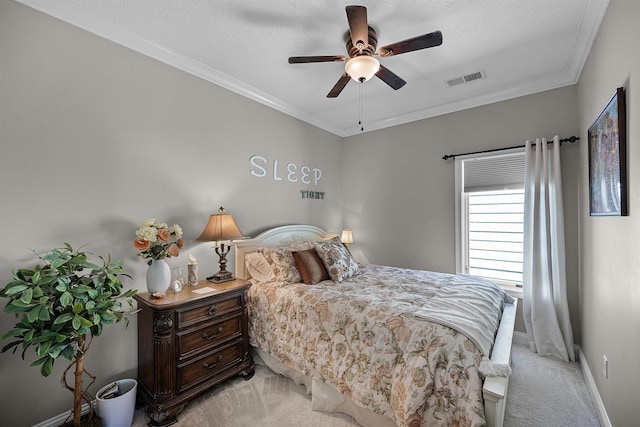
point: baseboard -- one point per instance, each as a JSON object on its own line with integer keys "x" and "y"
{"x": 520, "y": 338}
{"x": 593, "y": 390}
{"x": 59, "y": 420}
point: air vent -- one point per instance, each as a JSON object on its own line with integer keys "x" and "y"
{"x": 466, "y": 78}
{"x": 473, "y": 76}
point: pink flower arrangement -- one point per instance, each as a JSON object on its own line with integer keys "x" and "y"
{"x": 155, "y": 240}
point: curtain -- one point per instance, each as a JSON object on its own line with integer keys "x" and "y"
{"x": 545, "y": 307}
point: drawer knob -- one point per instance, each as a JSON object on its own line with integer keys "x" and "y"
{"x": 206, "y": 336}
{"x": 212, "y": 365}
{"x": 212, "y": 310}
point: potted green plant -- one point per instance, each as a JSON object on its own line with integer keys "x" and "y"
{"x": 62, "y": 304}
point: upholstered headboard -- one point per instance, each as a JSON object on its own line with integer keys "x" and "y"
{"x": 276, "y": 237}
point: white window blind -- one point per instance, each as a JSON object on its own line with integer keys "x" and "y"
{"x": 494, "y": 172}
{"x": 491, "y": 215}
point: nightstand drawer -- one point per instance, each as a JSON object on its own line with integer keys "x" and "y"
{"x": 208, "y": 311}
{"x": 209, "y": 336}
{"x": 209, "y": 365}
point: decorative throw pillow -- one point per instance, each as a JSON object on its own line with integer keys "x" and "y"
{"x": 337, "y": 260}
{"x": 310, "y": 266}
{"x": 259, "y": 267}
{"x": 282, "y": 263}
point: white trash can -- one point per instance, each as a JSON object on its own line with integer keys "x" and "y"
{"x": 118, "y": 411}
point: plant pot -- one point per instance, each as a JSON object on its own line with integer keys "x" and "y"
{"x": 118, "y": 411}
{"x": 158, "y": 276}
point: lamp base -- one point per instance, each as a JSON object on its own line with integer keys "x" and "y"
{"x": 221, "y": 276}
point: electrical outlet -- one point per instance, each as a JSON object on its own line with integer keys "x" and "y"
{"x": 605, "y": 367}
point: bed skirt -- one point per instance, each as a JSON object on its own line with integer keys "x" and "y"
{"x": 324, "y": 397}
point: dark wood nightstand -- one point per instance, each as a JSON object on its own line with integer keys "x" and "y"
{"x": 190, "y": 341}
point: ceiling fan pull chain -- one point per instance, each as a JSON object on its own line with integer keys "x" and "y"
{"x": 360, "y": 112}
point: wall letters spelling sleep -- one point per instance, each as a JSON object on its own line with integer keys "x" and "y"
{"x": 291, "y": 172}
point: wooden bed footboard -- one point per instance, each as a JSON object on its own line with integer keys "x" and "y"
{"x": 494, "y": 390}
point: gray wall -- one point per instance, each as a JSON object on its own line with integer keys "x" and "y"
{"x": 609, "y": 247}
{"x": 399, "y": 193}
{"x": 94, "y": 138}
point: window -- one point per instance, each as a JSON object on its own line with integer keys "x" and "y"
{"x": 490, "y": 216}
{"x": 494, "y": 238}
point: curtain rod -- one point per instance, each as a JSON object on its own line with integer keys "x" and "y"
{"x": 571, "y": 139}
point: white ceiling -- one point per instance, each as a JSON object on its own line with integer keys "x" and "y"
{"x": 523, "y": 46}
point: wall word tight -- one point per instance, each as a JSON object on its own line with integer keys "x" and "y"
{"x": 292, "y": 172}
{"x": 306, "y": 194}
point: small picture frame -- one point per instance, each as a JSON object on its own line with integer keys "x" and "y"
{"x": 608, "y": 159}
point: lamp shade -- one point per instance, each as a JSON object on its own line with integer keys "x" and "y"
{"x": 362, "y": 68}
{"x": 347, "y": 236}
{"x": 221, "y": 226}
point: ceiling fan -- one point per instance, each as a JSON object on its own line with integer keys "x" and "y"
{"x": 361, "y": 42}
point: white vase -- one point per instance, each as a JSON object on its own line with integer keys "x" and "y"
{"x": 158, "y": 276}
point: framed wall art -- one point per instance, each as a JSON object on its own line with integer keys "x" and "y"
{"x": 608, "y": 160}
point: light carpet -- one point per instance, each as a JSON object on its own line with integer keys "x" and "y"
{"x": 542, "y": 392}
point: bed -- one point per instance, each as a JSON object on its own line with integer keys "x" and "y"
{"x": 373, "y": 341}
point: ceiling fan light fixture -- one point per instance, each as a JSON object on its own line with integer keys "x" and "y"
{"x": 362, "y": 68}
{"x": 361, "y": 42}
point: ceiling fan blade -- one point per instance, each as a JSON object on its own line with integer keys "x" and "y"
{"x": 307, "y": 59}
{"x": 358, "y": 27}
{"x": 416, "y": 43}
{"x": 342, "y": 82}
{"x": 390, "y": 78}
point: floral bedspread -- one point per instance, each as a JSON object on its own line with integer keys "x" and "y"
{"x": 363, "y": 337}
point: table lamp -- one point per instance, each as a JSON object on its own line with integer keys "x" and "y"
{"x": 221, "y": 228}
{"x": 346, "y": 237}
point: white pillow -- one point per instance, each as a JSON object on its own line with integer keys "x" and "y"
{"x": 259, "y": 267}
{"x": 301, "y": 245}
